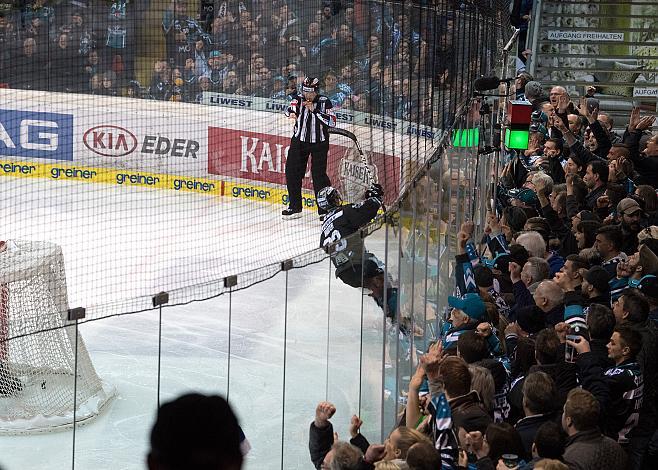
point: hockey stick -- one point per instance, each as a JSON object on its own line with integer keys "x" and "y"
{"x": 364, "y": 161}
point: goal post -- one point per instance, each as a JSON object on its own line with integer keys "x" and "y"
{"x": 38, "y": 345}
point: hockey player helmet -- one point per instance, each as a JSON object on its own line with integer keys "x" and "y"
{"x": 328, "y": 198}
{"x": 311, "y": 84}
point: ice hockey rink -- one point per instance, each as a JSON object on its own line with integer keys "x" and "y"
{"x": 121, "y": 242}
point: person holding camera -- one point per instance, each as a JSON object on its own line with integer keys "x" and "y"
{"x": 619, "y": 388}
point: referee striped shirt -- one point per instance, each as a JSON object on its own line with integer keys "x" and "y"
{"x": 312, "y": 127}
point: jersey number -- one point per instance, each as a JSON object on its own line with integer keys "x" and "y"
{"x": 335, "y": 237}
{"x": 339, "y": 258}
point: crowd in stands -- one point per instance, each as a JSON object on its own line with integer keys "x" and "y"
{"x": 547, "y": 356}
{"x": 374, "y": 59}
{"x": 368, "y": 62}
{"x": 67, "y": 48}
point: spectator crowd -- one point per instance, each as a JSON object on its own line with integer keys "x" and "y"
{"x": 546, "y": 354}
{"x": 369, "y": 56}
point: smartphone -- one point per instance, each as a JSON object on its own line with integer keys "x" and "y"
{"x": 570, "y": 353}
{"x": 592, "y": 104}
{"x": 575, "y": 334}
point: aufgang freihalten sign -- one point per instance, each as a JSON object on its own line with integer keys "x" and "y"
{"x": 585, "y": 36}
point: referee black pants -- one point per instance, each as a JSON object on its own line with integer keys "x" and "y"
{"x": 296, "y": 167}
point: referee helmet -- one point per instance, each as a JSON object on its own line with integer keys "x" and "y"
{"x": 311, "y": 84}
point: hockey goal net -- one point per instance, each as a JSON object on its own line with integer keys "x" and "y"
{"x": 38, "y": 345}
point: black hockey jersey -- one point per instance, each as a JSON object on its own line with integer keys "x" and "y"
{"x": 626, "y": 393}
{"x": 619, "y": 390}
{"x": 343, "y": 221}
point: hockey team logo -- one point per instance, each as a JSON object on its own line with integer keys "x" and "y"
{"x": 110, "y": 141}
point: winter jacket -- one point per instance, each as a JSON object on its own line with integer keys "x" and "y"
{"x": 619, "y": 391}
{"x": 468, "y": 405}
{"x": 593, "y": 195}
{"x": 564, "y": 374}
{"x": 591, "y": 450}
{"x": 320, "y": 441}
{"x": 527, "y": 428}
{"x": 647, "y": 167}
{"x": 555, "y": 263}
{"x": 583, "y": 156}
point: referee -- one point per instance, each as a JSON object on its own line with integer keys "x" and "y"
{"x": 313, "y": 117}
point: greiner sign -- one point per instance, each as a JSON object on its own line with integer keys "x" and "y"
{"x": 113, "y": 141}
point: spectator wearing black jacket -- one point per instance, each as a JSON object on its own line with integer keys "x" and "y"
{"x": 570, "y": 277}
{"x": 595, "y": 286}
{"x": 321, "y": 441}
{"x": 629, "y": 214}
{"x": 562, "y": 106}
{"x": 600, "y": 325}
{"x": 30, "y": 68}
{"x": 586, "y": 448}
{"x": 618, "y": 389}
{"x": 608, "y": 243}
{"x": 554, "y": 154}
{"x": 596, "y": 179}
{"x": 549, "y": 300}
{"x": 548, "y": 444}
{"x": 646, "y": 163}
{"x": 64, "y": 67}
{"x": 578, "y": 151}
{"x": 539, "y": 400}
{"x": 549, "y": 355}
{"x": 635, "y": 314}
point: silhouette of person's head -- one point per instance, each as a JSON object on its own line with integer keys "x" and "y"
{"x": 195, "y": 432}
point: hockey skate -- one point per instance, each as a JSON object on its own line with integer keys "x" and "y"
{"x": 289, "y": 214}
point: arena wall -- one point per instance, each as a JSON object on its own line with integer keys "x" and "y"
{"x": 181, "y": 146}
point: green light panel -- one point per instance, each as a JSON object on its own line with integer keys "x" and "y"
{"x": 517, "y": 139}
{"x": 466, "y": 137}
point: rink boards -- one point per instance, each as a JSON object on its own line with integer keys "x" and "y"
{"x": 212, "y": 187}
{"x": 221, "y": 150}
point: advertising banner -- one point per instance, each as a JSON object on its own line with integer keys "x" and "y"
{"x": 36, "y": 135}
{"x": 186, "y": 141}
{"x": 262, "y": 157}
{"x": 344, "y": 117}
{"x": 154, "y": 144}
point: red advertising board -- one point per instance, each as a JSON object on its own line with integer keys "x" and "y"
{"x": 262, "y": 157}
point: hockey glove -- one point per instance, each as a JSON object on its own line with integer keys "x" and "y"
{"x": 375, "y": 190}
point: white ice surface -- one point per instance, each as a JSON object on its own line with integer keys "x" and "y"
{"x": 120, "y": 242}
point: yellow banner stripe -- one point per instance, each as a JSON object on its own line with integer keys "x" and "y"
{"x": 67, "y": 172}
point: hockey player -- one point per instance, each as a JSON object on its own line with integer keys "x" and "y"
{"x": 313, "y": 117}
{"x": 354, "y": 265}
